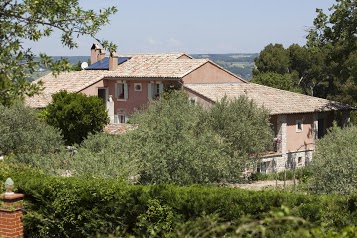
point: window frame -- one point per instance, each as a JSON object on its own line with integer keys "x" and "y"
{"x": 298, "y": 128}
{"x": 138, "y": 84}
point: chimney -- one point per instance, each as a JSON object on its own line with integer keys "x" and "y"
{"x": 96, "y": 53}
{"x": 93, "y": 53}
{"x": 101, "y": 54}
{"x": 113, "y": 61}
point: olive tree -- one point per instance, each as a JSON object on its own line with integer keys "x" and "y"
{"x": 21, "y": 132}
{"x": 334, "y": 167}
{"x": 183, "y": 143}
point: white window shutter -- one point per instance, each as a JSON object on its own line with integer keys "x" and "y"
{"x": 149, "y": 91}
{"x": 116, "y": 119}
{"x": 116, "y": 91}
{"x": 126, "y": 91}
{"x": 161, "y": 88}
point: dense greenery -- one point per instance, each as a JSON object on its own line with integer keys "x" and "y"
{"x": 333, "y": 169}
{"x": 21, "y": 132}
{"x": 175, "y": 142}
{"x": 326, "y": 66}
{"x": 76, "y": 115}
{"x": 74, "y": 207}
{"x": 32, "y": 20}
{"x": 276, "y": 80}
{"x": 183, "y": 143}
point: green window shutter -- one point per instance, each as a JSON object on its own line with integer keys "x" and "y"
{"x": 149, "y": 91}
{"x": 126, "y": 91}
{"x": 116, "y": 91}
{"x": 161, "y": 88}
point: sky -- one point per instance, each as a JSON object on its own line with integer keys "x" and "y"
{"x": 195, "y": 26}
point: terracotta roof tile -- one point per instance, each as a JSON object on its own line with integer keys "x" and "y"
{"x": 277, "y": 101}
{"x": 139, "y": 66}
{"x": 117, "y": 129}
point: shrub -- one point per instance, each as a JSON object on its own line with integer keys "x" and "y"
{"x": 76, "y": 115}
{"x": 22, "y": 132}
{"x": 75, "y": 207}
{"x": 334, "y": 166}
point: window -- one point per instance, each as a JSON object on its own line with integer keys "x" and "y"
{"x": 193, "y": 100}
{"x": 155, "y": 89}
{"x": 299, "y": 126}
{"x": 121, "y": 90}
{"x": 102, "y": 93}
{"x": 299, "y": 161}
{"x": 121, "y": 116}
{"x": 137, "y": 87}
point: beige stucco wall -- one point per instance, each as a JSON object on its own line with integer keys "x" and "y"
{"x": 92, "y": 90}
{"x": 198, "y": 98}
{"x": 303, "y": 140}
{"x": 210, "y": 73}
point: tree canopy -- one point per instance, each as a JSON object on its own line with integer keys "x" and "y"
{"x": 76, "y": 115}
{"x": 32, "y": 20}
{"x": 327, "y": 65}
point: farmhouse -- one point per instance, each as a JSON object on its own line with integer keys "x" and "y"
{"x": 128, "y": 82}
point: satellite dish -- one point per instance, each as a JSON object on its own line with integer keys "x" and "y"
{"x": 84, "y": 65}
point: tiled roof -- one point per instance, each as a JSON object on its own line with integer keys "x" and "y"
{"x": 139, "y": 66}
{"x": 70, "y": 81}
{"x": 155, "y": 66}
{"x": 117, "y": 129}
{"x": 277, "y": 101}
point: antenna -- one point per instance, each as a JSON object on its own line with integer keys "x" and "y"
{"x": 84, "y": 65}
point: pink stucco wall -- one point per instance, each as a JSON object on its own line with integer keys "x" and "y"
{"x": 299, "y": 140}
{"x": 136, "y": 99}
{"x": 210, "y": 73}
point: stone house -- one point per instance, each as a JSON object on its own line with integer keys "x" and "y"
{"x": 126, "y": 83}
{"x": 297, "y": 120}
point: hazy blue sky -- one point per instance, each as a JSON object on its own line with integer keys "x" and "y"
{"x": 197, "y": 26}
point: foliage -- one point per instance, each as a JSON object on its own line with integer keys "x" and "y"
{"x": 183, "y": 143}
{"x": 32, "y": 20}
{"x": 334, "y": 164}
{"x": 170, "y": 148}
{"x": 76, "y": 115}
{"x": 106, "y": 156}
{"x": 337, "y": 35}
{"x": 241, "y": 123}
{"x": 22, "y": 132}
{"x": 274, "y": 58}
{"x": 327, "y": 65}
{"x": 275, "y": 80}
{"x": 84, "y": 207}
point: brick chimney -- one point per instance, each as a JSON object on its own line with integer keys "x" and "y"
{"x": 96, "y": 53}
{"x": 113, "y": 61}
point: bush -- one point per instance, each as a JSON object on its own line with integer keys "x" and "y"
{"x": 76, "y": 115}
{"x": 22, "y": 132}
{"x": 74, "y": 207}
{"x": 106, "y": 156}
{"x": 334, "y": 166}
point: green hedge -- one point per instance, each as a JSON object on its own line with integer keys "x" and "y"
{"x": 75, "y": 207}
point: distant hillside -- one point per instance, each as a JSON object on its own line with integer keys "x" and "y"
{"x": 239, "y": 64}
